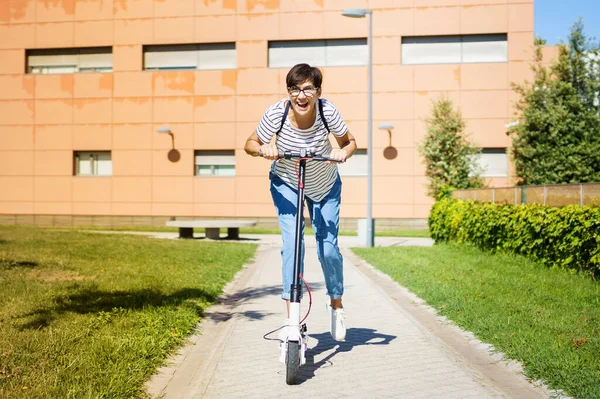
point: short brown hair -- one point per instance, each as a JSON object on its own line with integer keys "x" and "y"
{"x": 300, "y": 73}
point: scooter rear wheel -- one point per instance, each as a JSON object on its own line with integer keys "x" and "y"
{"x": 292, "y": 362}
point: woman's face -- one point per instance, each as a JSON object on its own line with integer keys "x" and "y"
{"x": 303, "y": 97}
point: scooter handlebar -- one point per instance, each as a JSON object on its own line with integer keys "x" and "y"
{"x": 306, "y": 155}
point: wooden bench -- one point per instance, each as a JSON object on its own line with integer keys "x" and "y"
{"x": 212, "y": 227}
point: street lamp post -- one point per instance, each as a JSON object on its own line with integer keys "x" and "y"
{"x": 361, "y": 13}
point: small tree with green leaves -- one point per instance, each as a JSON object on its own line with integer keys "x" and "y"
{"x": 450, "y": 158}
{"x": 556, "y": 138}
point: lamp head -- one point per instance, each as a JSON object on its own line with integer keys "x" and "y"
{"x": 355, "y": 12}
{"x": 386, "y": 126}
{"x": 164, "y": 129}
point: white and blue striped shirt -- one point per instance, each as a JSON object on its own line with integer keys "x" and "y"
{"x": 320, "y": 177}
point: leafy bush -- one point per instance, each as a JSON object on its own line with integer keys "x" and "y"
{"x": 567, "y": 238}
{"x": 450, "y": 157}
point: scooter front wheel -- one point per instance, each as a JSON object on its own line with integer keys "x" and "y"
{"x": 292, "y": 362}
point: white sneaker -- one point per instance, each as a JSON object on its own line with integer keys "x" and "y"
{"x": 337, "y": 326}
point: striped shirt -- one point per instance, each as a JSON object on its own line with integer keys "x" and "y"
{"x": 320, "y": 177}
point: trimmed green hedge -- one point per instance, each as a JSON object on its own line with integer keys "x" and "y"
{"x": 567, "y": 238}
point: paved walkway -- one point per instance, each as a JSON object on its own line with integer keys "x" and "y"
{"x": 394, "y": 346}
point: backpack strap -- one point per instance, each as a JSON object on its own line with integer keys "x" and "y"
{"x": 285, "y": 114}
{"x": 287, "y": 110}
{"x": 323, "y": 115}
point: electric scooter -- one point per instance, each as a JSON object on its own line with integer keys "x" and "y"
{"x": 293, "y": 350}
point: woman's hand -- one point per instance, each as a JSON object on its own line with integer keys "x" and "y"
{"x": 339, "y": 155}
{"x": 269, "y": 151}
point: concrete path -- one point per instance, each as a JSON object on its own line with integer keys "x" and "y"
{"x": 395, "y": 347}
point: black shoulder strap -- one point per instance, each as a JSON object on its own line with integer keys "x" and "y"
{"x": 285, "y": 114}
{"x": 287, "y": 110}
{"x": 323, "y": 115}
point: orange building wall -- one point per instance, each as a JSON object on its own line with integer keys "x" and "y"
{"x": 44, "y": 118}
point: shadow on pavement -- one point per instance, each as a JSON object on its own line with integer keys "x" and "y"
{"x": 248, "y": 294}
{"x": 240, "y": 297}
{"x": 354, "y": 337}
{"x": 224, "y": 316}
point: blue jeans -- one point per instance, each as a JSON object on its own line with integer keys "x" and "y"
{"x": 325, "y": 217}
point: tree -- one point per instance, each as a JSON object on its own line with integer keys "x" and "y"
{"x": 556, "y": 138}
{"x": 450, "y": 159}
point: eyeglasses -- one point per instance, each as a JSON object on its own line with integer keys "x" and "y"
{"x": 308, "y": 91}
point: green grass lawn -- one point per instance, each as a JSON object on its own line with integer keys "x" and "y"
{"x": 403, "y": 233}
{"x": 166, "y": 229}
{"x": 547, "y": 319}
{"x": 86, "y": 315}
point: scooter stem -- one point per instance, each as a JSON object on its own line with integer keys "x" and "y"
{"x": 296, "y": 288}
{"x": 294, "y": 320}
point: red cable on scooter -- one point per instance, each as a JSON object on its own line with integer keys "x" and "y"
{"x": 305, "y": 316}
{"x": 309, "y": 298}
{"x": 300, "y": 184}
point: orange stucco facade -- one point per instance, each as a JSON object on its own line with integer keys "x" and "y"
{"x": 44, "y": 118}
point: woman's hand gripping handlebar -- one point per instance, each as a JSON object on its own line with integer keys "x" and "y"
{"x": 304, "y": 154}
{"x": 268, "y": 151}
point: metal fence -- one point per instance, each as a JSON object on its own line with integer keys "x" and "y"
{"x": 550, "y": 195}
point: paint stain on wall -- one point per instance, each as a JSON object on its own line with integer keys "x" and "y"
{"x": 29, "y": 85}
{"x": 422, "y": 93}
{"x": 457, "y": 75}
{"x": 11, "y": 11}
{"x": 266, "y": 4}
{"x": 141, "y": 100}
{"x": 105, "y": 82}
{"x": 67, "y": 5}
{"x": 214, "y": 99}
{"x": 30, "y": 105}
{"x": 102, "y": 4}
{"x": 174, "y": 81}
{"x": 80, "y": 103}
{"x": 200, "y": 101}
{"x": 229, "y": 79}
{"x": 4, "y": 11}
{"x": 230, "y": 4}
{"x": 119, "y": 5}
{"x": 66, "y": 83}
{"x": 66, "y": 102}
{"x": 177, "y": 100}
{"x": 134, "y": 100}
{"x": 99, "y": 4}
{"x": 319, "y": 2}
{"x": 225, "y": 4}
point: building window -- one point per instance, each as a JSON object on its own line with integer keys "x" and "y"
{"x": 92, "y": 163}
{"x": 454, "y": 49}
{"x": 214, "y": 163}
{"x": 493, "y": 162}
{"x": 357, "y": 165}
{"x": 190, "y": 56}
{"x": 339, "y": 52}
{"x": 52, "y": 61}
